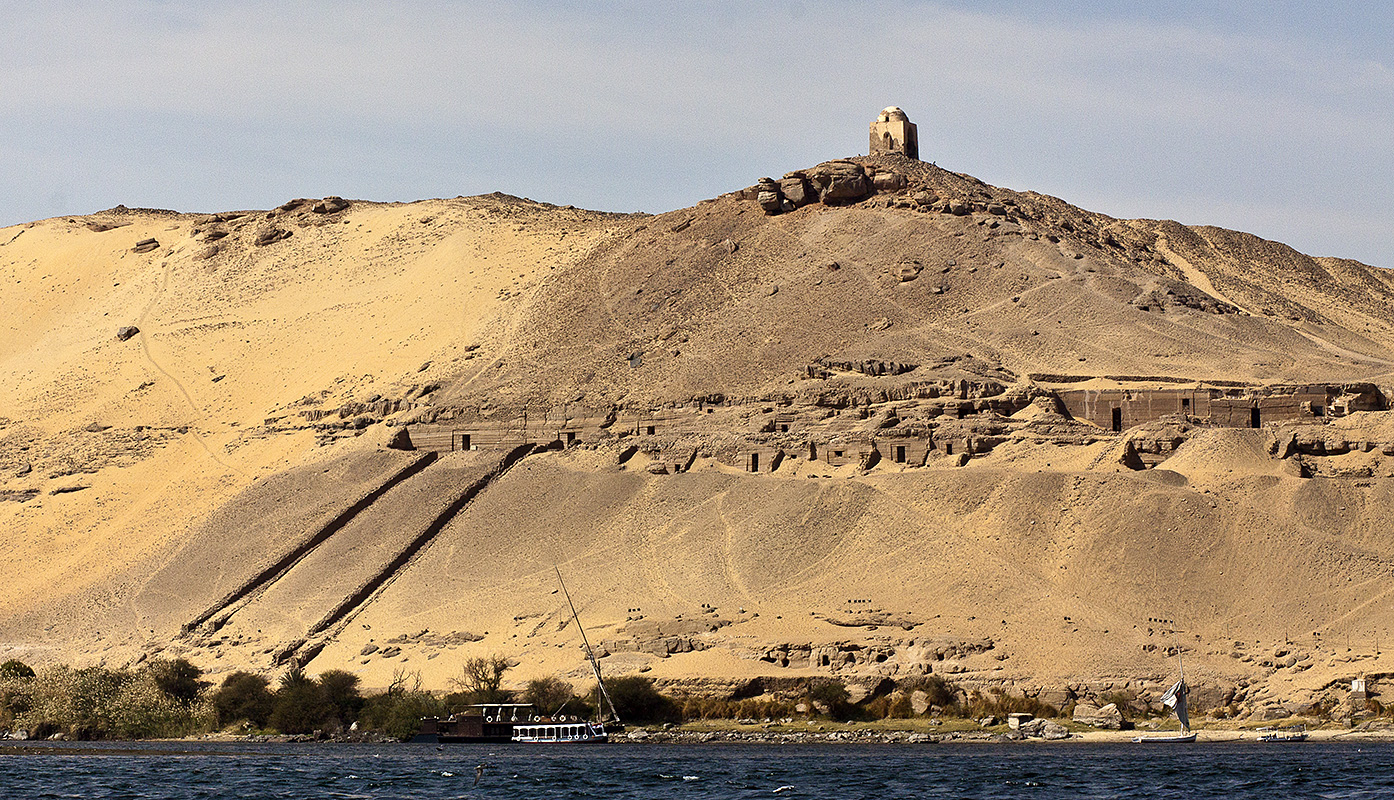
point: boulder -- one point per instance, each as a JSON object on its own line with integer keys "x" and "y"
{"x": 401, "y": 440}
{"x": 888, "y": 181}
{"x": 271, "y": 235}
{"x": 796, "y": 190}
{"x": 1016, "y": 719}
{"x": 1107, "y": 717}
{"x": 330, "y": 205}
{"x": 925, "y": 198}
{"x": 1052, "y": 731}
{"x": 919, "y": 702}
{"x": 959, "y": 208}
{"x": 126, "y": 331}
{"x": 658, "y": 468}
{"x": 839, "y": 182}
{"x": 145, "y": 246}
{"x": 768, "y": 196}
{"x": 1033, "y": 727}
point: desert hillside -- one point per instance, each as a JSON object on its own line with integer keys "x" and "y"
{"x": 871, "y": 419}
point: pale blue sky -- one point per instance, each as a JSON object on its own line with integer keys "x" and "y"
{"x": 1274, "y": 117}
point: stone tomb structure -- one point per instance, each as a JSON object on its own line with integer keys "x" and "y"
{"x": 936, "y": 424}
{"x": 893, "y": 132}
{"x": 1230, "y": 407}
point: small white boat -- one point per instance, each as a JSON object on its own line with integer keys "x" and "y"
{"x": 562, "y": 729}
{"x": 1291, "y": 733}
{"x": 565, "y": 730}
{"x": 1178, "y": 738}
{"x": 1175, "y": 699}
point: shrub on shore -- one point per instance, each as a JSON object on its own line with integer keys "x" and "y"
{"x": 14, "y": 668}
{"x": 300, "y": 705}
{"x": 245, "y": 698}
{"x": 397, "y": 712}
{"x": 636, "y": 700}
{"x": 102, "y": 703}
{"x": 481, "y": 679}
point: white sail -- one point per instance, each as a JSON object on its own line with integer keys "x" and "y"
{"x": 1175, "y": 698}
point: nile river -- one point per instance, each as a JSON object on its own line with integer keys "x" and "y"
{"x": 677, "y": 772}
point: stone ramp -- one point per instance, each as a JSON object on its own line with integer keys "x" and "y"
{"x": 328, "y": 584}
{"x": 262, "y": 531}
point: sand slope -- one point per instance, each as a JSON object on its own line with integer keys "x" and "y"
{"x": 221, "y": 484}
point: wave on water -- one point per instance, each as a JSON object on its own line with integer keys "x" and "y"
{"x": 1339, "y": 771}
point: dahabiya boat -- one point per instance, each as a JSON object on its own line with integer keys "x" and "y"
{"x": 519, "y": 722}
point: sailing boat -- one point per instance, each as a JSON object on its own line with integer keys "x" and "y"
{"x": 569, "y": 728}
{"x": 1175, "y": 699}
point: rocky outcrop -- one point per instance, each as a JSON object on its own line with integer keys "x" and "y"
{"x": 769, "y": 196}
{"x": 270, "y": 236}
{"x": 839, "y": 182}
{"x": 1043, "y": 729}
{"x": 330, "y": 205}
{"x": 146, "y": 246}
{"x": 1108, "y": 717}
{"x": 796, "y": 190}
{"x": 830, "y": 183}
{"x": 885, "y": 181}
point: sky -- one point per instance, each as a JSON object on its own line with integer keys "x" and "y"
{"x": 1275, "y": 118}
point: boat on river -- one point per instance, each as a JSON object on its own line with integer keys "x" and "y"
{"x": 1175, "y": 699}
{"x": 1289, "y": 733}
{"x": 484, "y": 723}
{"x": 492, "y": 723}
{"x": 572, "y": 729}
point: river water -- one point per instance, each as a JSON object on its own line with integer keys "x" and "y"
{"x": 679, "y": 772}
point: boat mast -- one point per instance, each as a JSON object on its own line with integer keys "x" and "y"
{"x": 1182, "y": 715}
{"x": 590, "y": 654}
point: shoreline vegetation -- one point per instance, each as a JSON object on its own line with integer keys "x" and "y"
{"x": 170, "y": 700}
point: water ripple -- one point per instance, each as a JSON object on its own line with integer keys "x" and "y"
{"x": 181, "y": 771}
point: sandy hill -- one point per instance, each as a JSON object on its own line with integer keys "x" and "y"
{"x": 860, "y": 429}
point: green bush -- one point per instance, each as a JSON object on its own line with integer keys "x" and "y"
{"x": 398, "y": 711}
{"x": 100, "y": 703}
{"x": 940, "y": 692}
{"x": 14, "y": 668}
{"x": 244, "y": 697}
{"x": 636, "y": 700}
{"x": 300, "y": 705}
{"x": 997, "y": 703}
{"x": 177, "y": 678}
{"x": 749, "y": 708}
{"x": 15, "y": 700}
{"x": 341, "y": 695}
{"x": 834, "y": 696}
{"x": 548, "y": 695}
{"x": 1127, "y": 704}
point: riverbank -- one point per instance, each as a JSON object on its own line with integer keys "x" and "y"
{"x": 917, "y": 732}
